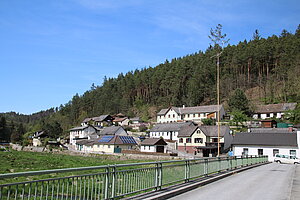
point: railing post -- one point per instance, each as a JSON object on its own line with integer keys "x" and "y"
{"x": 219, "y": 164}
{"x": 206, "y": 167}
{"x": 187, "y": 170}
{"x": 107, "y": 182}
{"x": 158, "y": 174}
{"x": 228, "y": 164}
{"x": 114, "y": 180}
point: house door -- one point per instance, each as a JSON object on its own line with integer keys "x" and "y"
{"x": 160, "y": 149}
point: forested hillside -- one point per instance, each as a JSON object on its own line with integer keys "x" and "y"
{"x": 267, "y": 69}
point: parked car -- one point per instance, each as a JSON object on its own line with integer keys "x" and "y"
{"x": 289, "y": 159}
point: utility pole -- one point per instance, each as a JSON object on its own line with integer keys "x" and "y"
{"x": 219, "y": 41}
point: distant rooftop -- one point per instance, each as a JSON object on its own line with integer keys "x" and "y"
{"x": 192, "y": 110}
{"x": 169, "y": 127}
{"x": 275, "y": 108}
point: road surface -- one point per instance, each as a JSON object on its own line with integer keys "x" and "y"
{"x": 268, "y": 182}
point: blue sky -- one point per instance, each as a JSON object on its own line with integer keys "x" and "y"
{"x": 51, "y": 50}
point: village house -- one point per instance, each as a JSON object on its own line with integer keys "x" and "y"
{"x": 272, "y": 110}
{"x": 266, "y": 143}
{"x": 108, "y": 144}
{"x": 135, "y": 120}
{"x": 101, "y": 121}
{"x": 81, "y": 132}
{"x": 195, "y": 114}
{"x": 203, "y": 140}
{"x": 37, "y": 138}
{"x": 120, "y": 120}
{"x": 168, "y": 131}
{"x": 157, "y": 145}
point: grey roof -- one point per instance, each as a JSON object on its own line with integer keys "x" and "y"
{"x": 212, "y": 131}
{"x": 153, "y": 141}
{"x": 162, "y": 112}
{"x": 100, "y": 118}
{"x": 135, "y": 119}
{"x": 169, "y": 127}
{"x": 96, "y": 119}
{"x": 187, "y": 131}
{"x": 199, "y": 109}
{"x": 86, "y": 120}
{"x": 192, "y": 110}
{"x": 111, "y": 130}
{"x": 271, "y": 130}
{"x": 78, "y": 128}
{"x": 274, "y": 108}
{"x": 266, "y": 139}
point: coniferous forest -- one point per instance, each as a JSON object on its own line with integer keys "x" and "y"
{"x": 266, "y": 69}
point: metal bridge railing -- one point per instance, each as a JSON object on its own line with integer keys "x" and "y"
{"x": 113, "y": 181}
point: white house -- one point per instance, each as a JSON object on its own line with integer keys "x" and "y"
{"x": 272, "y": 110}
{"x": 81, "y": 132}
{"x": 269, "y": 144}
{"x": 157, "y": 145}
{"x": 168, "y": 131}
{"x": 196, "y": 114}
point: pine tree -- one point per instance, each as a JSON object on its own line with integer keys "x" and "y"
{"x": 239, "y": 102}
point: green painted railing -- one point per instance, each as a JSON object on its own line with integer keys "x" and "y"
{"x": 113, "y": 181}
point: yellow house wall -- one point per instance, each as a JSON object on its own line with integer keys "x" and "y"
{"x": 103, "y": 148}
{"x": 195, "y": 135}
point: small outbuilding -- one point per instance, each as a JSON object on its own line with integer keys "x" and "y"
{"x": 157, "y": 145}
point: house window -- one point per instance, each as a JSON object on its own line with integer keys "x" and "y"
{"x": 194, "y": 115}
{"x": 214, "y": 139}
{"x": 149, "y": 147}
{"x": 198, "y": 140}
{"x": 198, "y": 131}
{"x": 245, "y": 151}
{"x": 293, "y": 152}
{"x": 275, "y": 151}
{"x": 188, "y": 140}
{"x": 188, "y": 115}
{"x": 260, "y": 152}
{"x": 173, "y": 115}
{"x": 268, "y": 114}
{"x": 108, "y": 146}
{"x": 180, "y": 140}
{"x": 168, "y": 116}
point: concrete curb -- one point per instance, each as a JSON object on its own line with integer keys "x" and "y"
{"x": 185, "y": 187}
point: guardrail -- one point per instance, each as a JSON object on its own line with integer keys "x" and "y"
{"x": 113, "y": 181}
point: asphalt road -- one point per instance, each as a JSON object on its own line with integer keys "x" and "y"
{"x": 268, "y": 182}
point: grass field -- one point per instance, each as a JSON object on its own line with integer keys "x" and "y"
{"x": 20, "y": 161}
